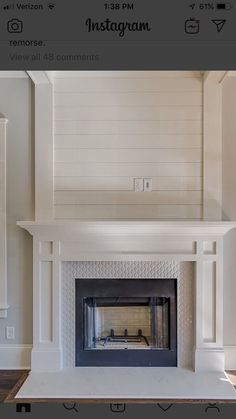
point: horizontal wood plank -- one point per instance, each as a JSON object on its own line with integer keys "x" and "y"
{"x": 124, "y": 155}
{"x": 128, "y": 169}
{"x": 127, "y": 74}
{"x": 126, "y": 183}
{"x": 128, "y": 198}
{"x": 128, "y": 113}
{"x": 190, "y": 212}
{"x": 136, "y": 84}
{"x": 129, "y": 99}
{"x": 133, "y": 141}
{"x": 128, "y": 127}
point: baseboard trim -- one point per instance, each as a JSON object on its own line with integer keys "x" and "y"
{"x": 208, "y": 359}
{"x": 46, "y": 359}
{"x": 230, "y": 357}
{"x": 17, "y": 357}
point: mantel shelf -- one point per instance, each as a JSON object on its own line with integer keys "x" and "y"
{"x": 70, "y": 229}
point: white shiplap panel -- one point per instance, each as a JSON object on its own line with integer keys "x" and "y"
{"x": 131, "y": 141}
{"x": 124, "y": 155}
{"x": 124, "y": 113}
{"x": 128, "y": 211}
{"x": 127, "y": 74}
{"x": 136, "y": 84}
{"x": 128, "y": 127}
{"x": 111, "y": 127}
{"x": 128, "y": 169}
{"x": 128, "y": 198}
{"x": 129, "y": 99}
{"x": 110, "y": 183}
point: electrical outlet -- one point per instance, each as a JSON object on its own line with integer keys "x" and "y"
{"x": 10, "y": 332}
{"x": 138, "y": 185}
{"x": 147, "y": 185}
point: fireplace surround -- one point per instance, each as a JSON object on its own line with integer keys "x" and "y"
{"x": 56, "y": 243}
{"x": 126, "y": 322}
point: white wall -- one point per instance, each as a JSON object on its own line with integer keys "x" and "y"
{"x": 15, "y": 104}
{"x": 229, "y": 213}
{"x": 111, "y": 127}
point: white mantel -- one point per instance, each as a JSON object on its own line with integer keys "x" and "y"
{"x": 199, "y": 242}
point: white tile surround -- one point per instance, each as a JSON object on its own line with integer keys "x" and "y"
{"x": 183, "y": 272}
{"x": 200, "y": 243}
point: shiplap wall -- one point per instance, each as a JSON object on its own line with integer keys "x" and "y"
{"x": 112, "y": 127}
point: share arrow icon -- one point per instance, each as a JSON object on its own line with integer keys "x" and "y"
{"x": 220, "y": 23}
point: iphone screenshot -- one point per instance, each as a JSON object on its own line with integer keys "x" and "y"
{"x": 117, "y": 209}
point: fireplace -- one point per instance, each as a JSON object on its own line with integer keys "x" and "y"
{"x": 126, "y": 322}
{"x": 200, "y": 330}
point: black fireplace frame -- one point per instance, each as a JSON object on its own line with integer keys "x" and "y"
{"x": 125, "y": 288}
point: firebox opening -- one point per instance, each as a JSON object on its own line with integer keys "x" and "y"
{"x": 126, "y": 323}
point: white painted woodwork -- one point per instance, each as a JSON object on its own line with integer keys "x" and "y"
{"x": 124, "y": 198}
{"x": 127, "y": 74}
{"x": 13, "y": 75}
{"x": 212, "y": 151}
{"x": 184, "y": 212}
{"x": 40, "y": 77}
{"x": 127, "y": 127}
{"x": 81, "y": 183}
{"x": 131, "y": 141}
{"x": 3, "y": 220}
{"x": 164, "y": 204}
{"x": 128, "y": 156}
{"x": 16, "y": 356}
{"x": 115, "y": 126}
{"x": 128, "y": 169}
{"x": 46, "y": 300}
{"x": 162, "y": 113}
{"x": 43, "y": 150}
{"x": 130, "y": 99}
{"x": 121, "y": 84}
{"x": 209, "y": 301}
{"x": 199, "y": 242}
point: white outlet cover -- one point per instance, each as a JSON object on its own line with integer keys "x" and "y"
{"x": 10, "y": 332}
{"x": 147, "y": 184}
{"x": 138, "y": 185}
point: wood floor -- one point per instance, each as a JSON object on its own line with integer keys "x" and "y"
{"x": 12, "y": 380}
{"x": 9, "y": 380}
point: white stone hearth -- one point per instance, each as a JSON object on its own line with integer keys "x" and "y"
{"x": 129, "y": 383}
{"x": 97, "y": 248}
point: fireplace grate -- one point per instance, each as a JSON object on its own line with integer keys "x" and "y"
{"x": 125, "y": 338}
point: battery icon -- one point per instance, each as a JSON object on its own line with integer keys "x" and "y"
{"x": 224, "y": 6}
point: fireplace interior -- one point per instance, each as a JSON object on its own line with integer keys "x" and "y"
{"x": 126, "y": 322}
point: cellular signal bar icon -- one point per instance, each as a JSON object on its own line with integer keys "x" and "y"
{"x": 9, "y": 6}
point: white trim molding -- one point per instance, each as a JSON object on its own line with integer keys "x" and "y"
{"x": 40, "y": 77}
{"x": 230, "y": 357}
{"x": 44, "y": 190}
{"x": 198, "y": 242}
{"x": 212, "y": 145}
{"x": 3, "y": 233}
{"x": 15, "y": 357}
{"x": 13, "y": 75}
